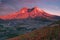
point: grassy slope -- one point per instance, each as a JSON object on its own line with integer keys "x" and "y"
{"x": 51, "y": 32}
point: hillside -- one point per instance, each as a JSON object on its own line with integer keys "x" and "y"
{"x": 50, "y": 32}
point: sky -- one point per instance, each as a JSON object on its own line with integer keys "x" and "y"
{"x": 11, "y": 6}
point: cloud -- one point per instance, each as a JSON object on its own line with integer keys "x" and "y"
{"x": 7, "y": 6}
{"x": 55, "y": 10}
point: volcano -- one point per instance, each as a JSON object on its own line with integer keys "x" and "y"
{"x": 25, "y": 13}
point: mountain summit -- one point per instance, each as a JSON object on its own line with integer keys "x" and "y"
{"x": 28, "y": 13}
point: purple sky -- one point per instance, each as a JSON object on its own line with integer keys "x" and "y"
{"x": 10, "y": 6}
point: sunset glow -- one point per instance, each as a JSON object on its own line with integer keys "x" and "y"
{"x": 10, "y": 6}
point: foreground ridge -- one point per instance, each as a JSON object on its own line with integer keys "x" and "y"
{"x": 50, "y": 32}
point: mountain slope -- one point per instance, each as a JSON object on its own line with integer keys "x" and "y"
{"x": 50, "y": 32}
{"x": 25, "y": 13}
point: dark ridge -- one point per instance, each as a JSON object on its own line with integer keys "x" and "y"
{"x": 57, "y": 17}
{"x": 29, "y": 10}
{"x": 1, "y": 20}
